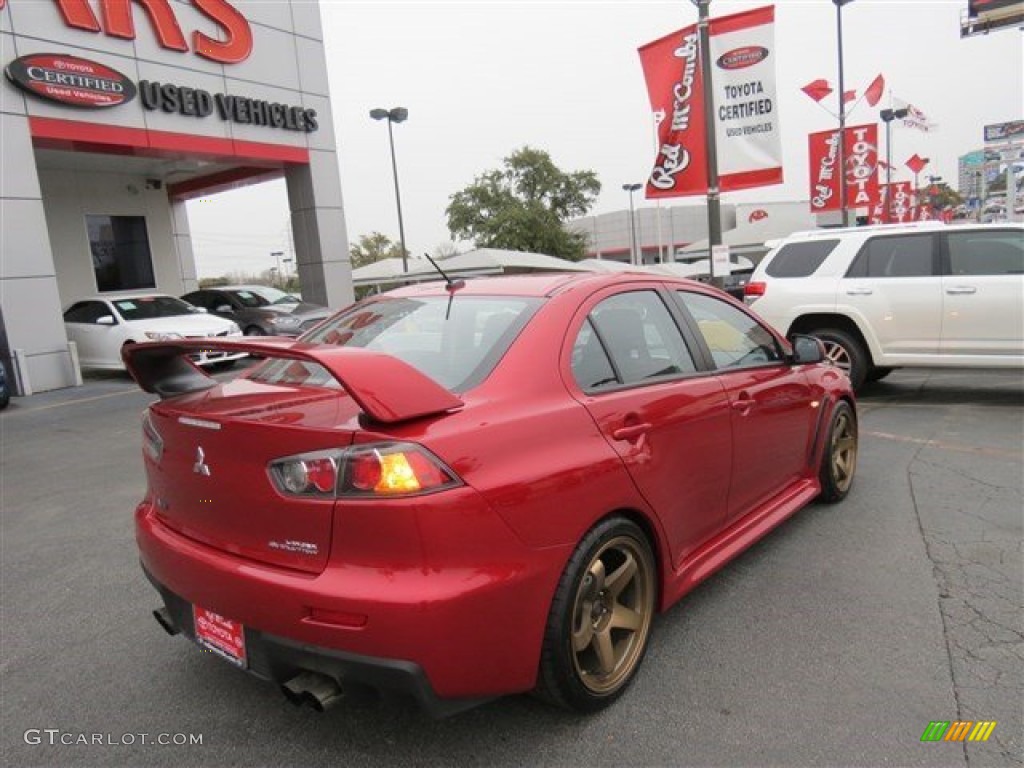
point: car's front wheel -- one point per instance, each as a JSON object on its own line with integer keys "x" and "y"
{"x": 846, "y": 353}
{"x": 839, "y": 459}
{"x": 600, "y": 618}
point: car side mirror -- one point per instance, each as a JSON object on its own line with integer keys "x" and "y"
{"x": 806, "y": 349}
{"x": 105, "y": 320}
{"x": 226, "y": 308}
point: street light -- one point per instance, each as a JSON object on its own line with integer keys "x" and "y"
{"x": 631, "y": 188}
{"x": 842, "y": 110}
{"x": 277, "y": 270}
{"x": 395, "y": 115}
{"x": 888, "y": 115}
{"x": 287, "y": 269}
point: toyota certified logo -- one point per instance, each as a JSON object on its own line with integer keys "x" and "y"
{"x": 70, "y": 80}
{"x": 740, "y": 58}
{"x": 201, "y": 467}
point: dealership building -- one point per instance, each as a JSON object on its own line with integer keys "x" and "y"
{"x": 114, "y": 114}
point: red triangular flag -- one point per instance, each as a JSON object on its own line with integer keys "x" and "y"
{"x": 874, "y": 92}
{"x": 817, "y": 90}
{"x": 917, "y": 163}
{"x": 849, "y": 96}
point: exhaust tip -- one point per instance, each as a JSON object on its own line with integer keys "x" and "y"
{"x": 313, "y": 689}
{"x": 163, "y": 618}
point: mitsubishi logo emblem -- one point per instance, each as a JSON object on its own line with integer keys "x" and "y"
{"x": 200, "y": 467}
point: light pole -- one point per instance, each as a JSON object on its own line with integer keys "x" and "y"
{"x": 277, "y": 270}
{"x": 710, "y": 142}
{"x": 842, "y": 110}
{"x": 888, "y": 115}
{"x": 287, "y": 270}
{"x": 395, "y": 115}
{"x": 631, "y": 188}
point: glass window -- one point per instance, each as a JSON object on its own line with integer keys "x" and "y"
{"x": 641, "y": 338}
{"x": 248, "y": 299}
{"x": 735, "y": 339}
{"x": 590, "y": 364}
{"x": 899, "y": 256}
{"x": 151, "y": 307}
{"x": 86, "y": 312}
{"x": 800, "y": 259}
{"x": 120, "y": 252}
{"x": 457, "y": 343}
{"x": 986, "y": 253}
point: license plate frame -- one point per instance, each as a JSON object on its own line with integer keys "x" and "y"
{"x": 220, "y": 635}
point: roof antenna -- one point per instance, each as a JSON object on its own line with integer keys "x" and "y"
{"x": 451, "y": 285}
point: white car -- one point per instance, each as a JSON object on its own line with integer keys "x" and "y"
{"x": 895, "y": 296}
{"x": 101, "y": 326}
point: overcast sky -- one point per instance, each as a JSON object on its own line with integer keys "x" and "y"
{"x": 483, "y": 78}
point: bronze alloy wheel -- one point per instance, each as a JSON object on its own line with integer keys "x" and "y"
{"x": 843, "y": 450}
{"x": 612, "y": 614}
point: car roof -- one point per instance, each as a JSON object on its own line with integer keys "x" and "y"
{"x": 124, "y": 297}
{"x": 535, "y": 284}
{"x": 913, "y": 226}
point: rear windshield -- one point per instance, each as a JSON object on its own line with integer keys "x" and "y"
{"x": 800, "y": 259}
{"x": 457, "y": 346}
{"x": 150, "y": 307}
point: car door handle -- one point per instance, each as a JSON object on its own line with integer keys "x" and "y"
{"x": 957, "y": 290}
{"x": 743, "y": 403}
{"x": 632, "y": 432}
{"x": 859, "y": 291}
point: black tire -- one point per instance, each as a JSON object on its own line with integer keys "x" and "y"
{"x": 608, "y": 586}
{"x": 846, "y": 352}
{"x": 254, "y": 330}
{"x": 877, "y": 374}
{"x": 839, "y": 457}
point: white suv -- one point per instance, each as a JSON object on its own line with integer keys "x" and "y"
{"x": 901, "y": 295}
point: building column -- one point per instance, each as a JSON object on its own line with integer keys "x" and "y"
{"x": 181, "y": 235}
{"x": 29, "y": 298}
{"x": 318, "y": 224}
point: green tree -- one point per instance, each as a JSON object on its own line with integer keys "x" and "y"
{"x": 524, "y": 205}
{"x": 373, "y": 247}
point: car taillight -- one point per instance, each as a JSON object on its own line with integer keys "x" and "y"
{"x": 753, "y": 290}
{"x": 377, "y": 469}
{"x": 152, "y": 443}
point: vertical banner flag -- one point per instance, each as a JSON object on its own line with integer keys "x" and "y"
{"x": 903, "y": 208}
{"x": 861, "y": 164}
{"x": 745, "y": 104}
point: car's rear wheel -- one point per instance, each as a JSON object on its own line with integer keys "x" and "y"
{"x": 846, "y": 353}
{"x": 600, "y": 618}
{"x": 839, "y": 460}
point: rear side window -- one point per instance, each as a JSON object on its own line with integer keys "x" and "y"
{"x": 800, "y": 259}
{"x": 986, "y": 253}
{"x": 899, "y": 256}
{"x": 456, "y": 343}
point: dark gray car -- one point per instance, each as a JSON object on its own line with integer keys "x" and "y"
{"x": 259, "y": 310}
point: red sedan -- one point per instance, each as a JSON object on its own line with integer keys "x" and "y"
{"x": 468, "y": 490}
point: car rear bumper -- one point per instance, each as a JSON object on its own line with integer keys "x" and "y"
{"x": 449, "y": 635}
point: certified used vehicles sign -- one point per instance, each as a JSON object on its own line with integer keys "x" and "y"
{"x": 70, "y": 80}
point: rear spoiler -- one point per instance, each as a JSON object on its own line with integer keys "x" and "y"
{"x": 385, "y": 388}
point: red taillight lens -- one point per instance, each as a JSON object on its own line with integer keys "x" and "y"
{"x": 378, "y": 469}
{"x": 753, "y": 290}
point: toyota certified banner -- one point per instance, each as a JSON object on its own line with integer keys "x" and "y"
{"x": 746, "y": 109}
{"x": 903, "y": 208}
{"x": 861, "y": 168}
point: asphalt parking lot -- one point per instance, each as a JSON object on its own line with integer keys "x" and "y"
{"x": 834, "y": 641}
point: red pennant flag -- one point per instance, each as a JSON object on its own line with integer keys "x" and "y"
{"x": 917, "y": 163}
{"x": 874, "y": 92}
{"x": 849, "y": 96}
{"x": 818, "y": 89}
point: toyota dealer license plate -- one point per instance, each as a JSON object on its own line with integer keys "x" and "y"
{"x": 220, "y": 635}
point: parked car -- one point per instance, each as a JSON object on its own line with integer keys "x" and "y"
{"x": 5, "y": 388}
{"x": 259, "y": 310}
{"x": 465, "y": 491}
{"x": 102, "y": 326}
{"x": 903, "y": 295}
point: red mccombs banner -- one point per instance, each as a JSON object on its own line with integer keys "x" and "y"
{"x": 745, "y": 106}
{"x": 861, "y": 168}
